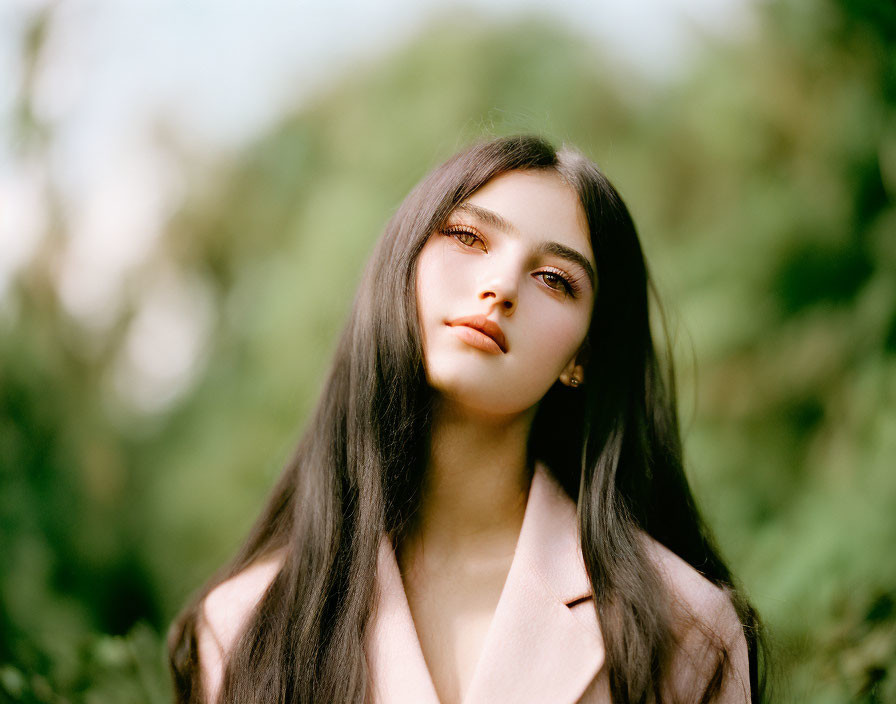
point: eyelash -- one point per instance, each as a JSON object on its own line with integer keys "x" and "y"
{"x": 569, "y": 286}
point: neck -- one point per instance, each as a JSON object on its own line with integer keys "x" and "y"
{"x": 477, "y": 483}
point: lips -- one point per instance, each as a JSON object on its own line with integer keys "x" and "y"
{"x": 485, "y": 326}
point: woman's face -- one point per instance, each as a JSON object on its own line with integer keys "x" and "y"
{"x": 516, "y": 253}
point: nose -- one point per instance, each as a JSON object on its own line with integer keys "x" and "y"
{"x": 501, "y": 290}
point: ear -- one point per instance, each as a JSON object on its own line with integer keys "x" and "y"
{"x": 573, "y": 374}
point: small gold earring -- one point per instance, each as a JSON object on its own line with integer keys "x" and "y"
{"x": 574, "y": 381}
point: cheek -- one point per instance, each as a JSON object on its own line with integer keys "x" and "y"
{"x": 440, "y": 280}
{"x": 554, "y": 329}
{"x": 427, "y": 286}
{"x": 554, "y": 339}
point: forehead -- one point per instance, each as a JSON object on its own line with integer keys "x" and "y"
{"x": 539, "y": 206}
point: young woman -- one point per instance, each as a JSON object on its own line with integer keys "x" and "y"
{"x": 488, "y": 503}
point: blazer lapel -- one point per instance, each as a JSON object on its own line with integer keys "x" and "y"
{"x": 536, "y": 649}
{"x": 398, "y": 672}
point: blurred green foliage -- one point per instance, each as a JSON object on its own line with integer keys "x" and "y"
{"x": 763, "y": 184}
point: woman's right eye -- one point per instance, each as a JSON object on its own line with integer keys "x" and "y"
{"x": 463, "y": 235}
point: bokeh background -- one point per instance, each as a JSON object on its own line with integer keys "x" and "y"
{"x": 188, "y": 192}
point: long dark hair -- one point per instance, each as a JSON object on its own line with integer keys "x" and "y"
{"x": 614, "y": 444}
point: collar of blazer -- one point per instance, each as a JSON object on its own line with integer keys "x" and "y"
{"x": 536, "y": 649}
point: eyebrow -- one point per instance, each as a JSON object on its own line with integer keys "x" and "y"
{"x": 490, "y": 217}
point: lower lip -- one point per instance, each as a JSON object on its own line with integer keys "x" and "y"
{"x": 477, "y": 339}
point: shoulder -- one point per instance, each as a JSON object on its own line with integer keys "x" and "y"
{"x": 691, "y": 591}
{"x": 225, "y": 612}
{"x": 707, "y": 629}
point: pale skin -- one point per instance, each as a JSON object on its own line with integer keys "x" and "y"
{"x": 455, "y": 564}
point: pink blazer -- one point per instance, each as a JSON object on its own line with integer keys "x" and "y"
{"x": 544, "y": 643}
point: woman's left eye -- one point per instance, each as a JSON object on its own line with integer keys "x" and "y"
{"x": 556, "y": 281}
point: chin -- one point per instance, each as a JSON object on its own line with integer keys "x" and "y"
{"x": 486, "y": 399}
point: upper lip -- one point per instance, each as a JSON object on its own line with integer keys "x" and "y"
{"x": 484, "y": 325}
